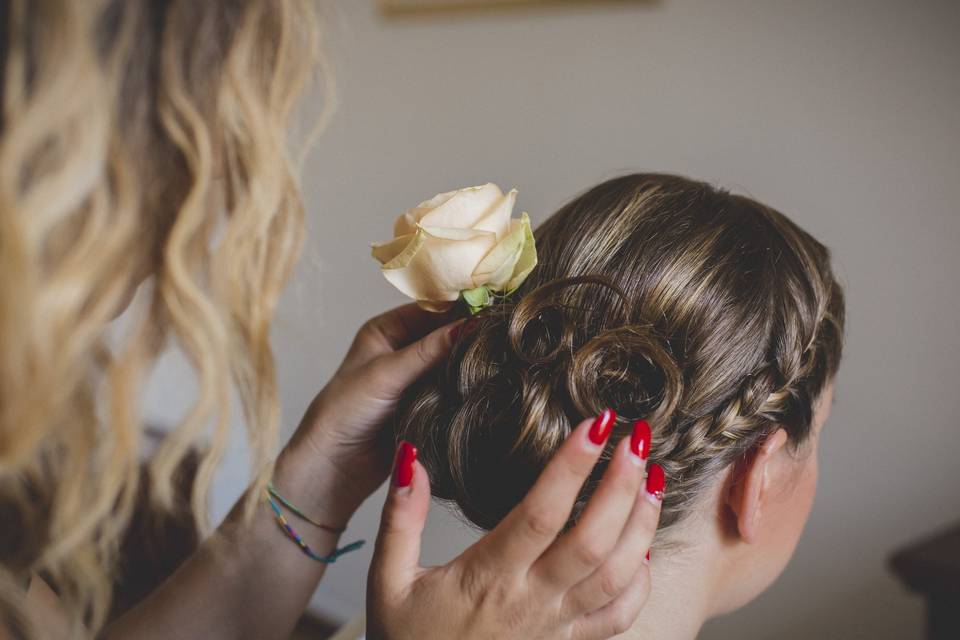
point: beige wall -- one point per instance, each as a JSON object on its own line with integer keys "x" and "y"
{"x": 845, "y": 115}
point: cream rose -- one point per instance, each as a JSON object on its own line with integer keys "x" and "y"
{"x": 457, "y": 243}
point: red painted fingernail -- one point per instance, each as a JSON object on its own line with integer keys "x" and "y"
{"x": 655, "y": 481}
{"x": 601, "y": 427}
{"x": 640, "y": 439}
{"x": 648, "y": 556}
{"x": 403, "y": 468}
{"x": 460, "y": 328}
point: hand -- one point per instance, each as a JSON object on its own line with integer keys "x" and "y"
{"x": 521, "y": 580}
{"x": 249, "y": 580}
{"x": 333, "y": 460}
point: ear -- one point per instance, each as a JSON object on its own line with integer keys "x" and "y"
{"x": 750, "y": 485}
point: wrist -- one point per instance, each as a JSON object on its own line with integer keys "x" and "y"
{"x": 317, "y": 485}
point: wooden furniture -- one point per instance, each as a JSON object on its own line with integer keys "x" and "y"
{"x": 931, "y": 567}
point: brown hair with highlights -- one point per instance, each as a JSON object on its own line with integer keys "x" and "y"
{"x": 711, "y": 315}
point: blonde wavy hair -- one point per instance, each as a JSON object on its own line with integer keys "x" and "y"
{"x": 142, "y": 142}
{"x": 711, "y": 315}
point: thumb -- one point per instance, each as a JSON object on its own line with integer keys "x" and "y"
{"x": 403, "y": 367}
{"x": 396, "y": 557}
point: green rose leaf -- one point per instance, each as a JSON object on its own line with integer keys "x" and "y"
{"x": 477, "y": 298}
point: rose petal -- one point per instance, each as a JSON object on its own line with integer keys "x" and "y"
{"x": 464, "y": 209}
{"x": 497, "y": 267}
{"x": 408, "y": 220}
{"x": 497, "y": 219}
{"x": 403, "y": 258}
{"x": 384, "y": 252}
{"x": 439, "y": 264}
{"x": 453, "y": 234}
{"x": 528, "y": 256}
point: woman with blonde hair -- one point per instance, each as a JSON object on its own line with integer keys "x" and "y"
{"x": 144, "y": 169}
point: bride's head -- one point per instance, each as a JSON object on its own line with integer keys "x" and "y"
{"x": 709, "y": 314}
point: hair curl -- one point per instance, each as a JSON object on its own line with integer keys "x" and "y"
{"x": 141, "y": 141}
{"x": 711, "y": 315}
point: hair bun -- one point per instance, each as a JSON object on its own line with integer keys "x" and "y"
{"x": 628, "y": 368}
{"x": 516, "y": 384}
{"x": 711, "y": 315}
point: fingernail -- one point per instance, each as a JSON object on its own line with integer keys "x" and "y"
{"x": 403, "y": 468}
{"x": 601, "y": 427}
{"x": 640, "y": 439}
{"x": 461, "y": 327}
{"x": 655, "y": 481}
{"x": 647, "y": 559}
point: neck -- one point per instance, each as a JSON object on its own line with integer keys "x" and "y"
{"x": 683, "y": 582}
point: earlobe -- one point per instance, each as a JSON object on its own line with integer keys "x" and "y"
{"x": 749, "y": 490}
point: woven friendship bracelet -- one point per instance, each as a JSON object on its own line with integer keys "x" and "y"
{"x": 304, "y": 547}
{"x": 276, "y": 494}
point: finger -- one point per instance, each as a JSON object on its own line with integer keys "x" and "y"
{"x": 624, "y": 564}
{"x": 397, "y": 370}
{"x": 396, "y": 556}
{"x": 395, "y": 329}
{"x": 619, "y": 615}
{"x": 582, "y": 550}
{"x": 533, "y": 525}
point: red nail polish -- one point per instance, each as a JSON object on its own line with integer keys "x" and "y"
{"x": 640, "y": 439}
{"x": 403, "y": 468}
{"x": 648, "y": 556}
{"x": 460, "y": 328}
{"x": 601, "y": 427}
{"x": 655, "y": 480}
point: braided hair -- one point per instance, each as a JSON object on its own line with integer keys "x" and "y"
{"x": 711, "y": 315}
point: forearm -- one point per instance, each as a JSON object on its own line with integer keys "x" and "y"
{"x": 251, "y": 581}
{"x": 248, "y": 580}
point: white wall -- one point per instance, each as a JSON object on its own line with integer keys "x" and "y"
{"x": 845, "y": 115}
